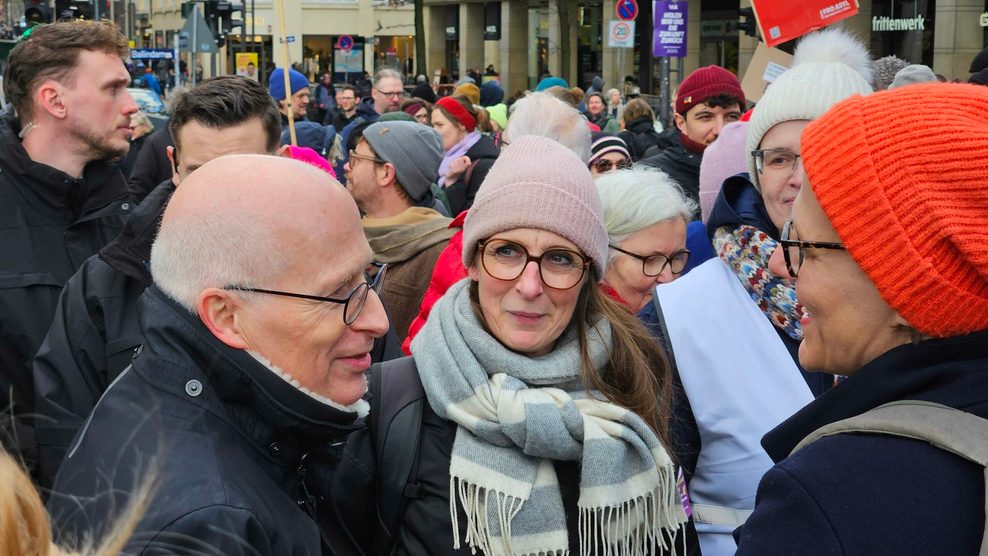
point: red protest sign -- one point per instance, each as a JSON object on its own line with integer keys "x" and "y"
{"x": 784, "y": 20}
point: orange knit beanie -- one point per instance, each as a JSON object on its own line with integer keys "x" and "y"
{"x": 902, "y": 176}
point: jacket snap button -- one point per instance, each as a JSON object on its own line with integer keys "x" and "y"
{"x": 193, "y": 388}
{"x": 125, "y": 206}
{"x": 275, "y": 449}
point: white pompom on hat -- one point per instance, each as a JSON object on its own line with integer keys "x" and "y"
{"x": 828, "y": 66}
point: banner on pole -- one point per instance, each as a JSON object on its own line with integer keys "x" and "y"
{"x": 784, "y": 20}
{"x": 669, "y": 29}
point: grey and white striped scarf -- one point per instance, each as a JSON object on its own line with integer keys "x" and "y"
{"x": 516, "y": 415}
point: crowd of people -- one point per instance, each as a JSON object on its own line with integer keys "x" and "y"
{"x": 420, "y": 324}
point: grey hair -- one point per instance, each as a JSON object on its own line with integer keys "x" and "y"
{"x": 610, "y": 93}
{"x": 384, "y": 74}
{"x": 545, "y": 115}
{"x": 215, "y": 250}
{"x": 640, "y": 197}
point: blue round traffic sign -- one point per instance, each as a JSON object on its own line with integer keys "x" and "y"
{"x": 626, "y": 9}
{"x": 345, "y": 42}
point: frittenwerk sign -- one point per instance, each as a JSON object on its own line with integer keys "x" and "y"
{"x": 881, "y": 24}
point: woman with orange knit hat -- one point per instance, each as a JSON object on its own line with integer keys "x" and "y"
{"x": 889, "y": 246}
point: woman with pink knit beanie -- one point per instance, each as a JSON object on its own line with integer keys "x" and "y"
{"x": 545, "y": 427}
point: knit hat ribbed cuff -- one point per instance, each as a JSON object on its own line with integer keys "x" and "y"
{"x": 538, "y": 183}
{"x": 908, "y": 198}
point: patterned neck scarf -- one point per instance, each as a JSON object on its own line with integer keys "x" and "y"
{"x": 746, "y": 250}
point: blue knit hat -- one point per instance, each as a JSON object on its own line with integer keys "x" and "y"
{"x": 276, "y": 83}
{"x": 491, "y": 93}
{"x": 316, "y": 136}
{"x": 551, "y": 82}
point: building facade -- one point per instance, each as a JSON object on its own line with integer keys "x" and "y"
{"x": 524, "y": 39}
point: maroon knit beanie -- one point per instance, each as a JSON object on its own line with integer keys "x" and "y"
{"x": 707, "y": 82}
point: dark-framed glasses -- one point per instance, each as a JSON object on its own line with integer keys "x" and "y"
{"x": 352, "y": 304}
{"x": 560, "y": 269}
{"x": 653, "y": 265}
{"x": 775, "y": 161}
{"x": 354, "y": 155}
{"x": 603, "y": 165}
{"x": 391, "y": 94}
{"x": 794, "y": 248}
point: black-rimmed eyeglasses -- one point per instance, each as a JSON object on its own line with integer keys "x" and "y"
{"x": 793, "y": 248}
{"x": 653, "y": 265}
{"x": 560, "y": 269}
{"x": 352, "y": 304}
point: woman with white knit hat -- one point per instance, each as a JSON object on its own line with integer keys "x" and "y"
{"x": 547, "y": 400}
{"x": 732, "y": 325}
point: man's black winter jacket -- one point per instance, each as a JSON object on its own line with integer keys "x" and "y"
{"x": 239, "y": 457}
{"x": 50, "y": 223}
{"x": 94, "y": 332}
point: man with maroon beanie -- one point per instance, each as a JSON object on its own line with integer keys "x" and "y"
{"x": 708, "y": 99}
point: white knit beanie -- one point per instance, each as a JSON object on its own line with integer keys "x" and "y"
{"x": 538, "y": 183}
{"x": 828, "y": 66}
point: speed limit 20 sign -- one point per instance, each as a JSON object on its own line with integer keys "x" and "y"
{"x": 622, "y": 34}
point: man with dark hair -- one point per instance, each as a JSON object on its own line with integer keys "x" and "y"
{"x": 61, "y": 199}
{"x": 390, "y": 173}
{"x": 708, "y": 99}
{"x": 95, "y": 330}
{"x": 346, "y": 107}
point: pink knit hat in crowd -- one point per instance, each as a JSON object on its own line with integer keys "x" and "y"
{"x": 722, "y": 159}
{"x": 538, "y": 183}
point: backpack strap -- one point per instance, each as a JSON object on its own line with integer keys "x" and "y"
{"x": 953, "y": 430}
{"x": 397, "y": 403}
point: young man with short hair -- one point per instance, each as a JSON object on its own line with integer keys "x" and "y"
{"x": 95, "y": 330}
{"x": 61, "y": 196}
{"x": 708, "y": 99}
{"x": 346, "y": 107}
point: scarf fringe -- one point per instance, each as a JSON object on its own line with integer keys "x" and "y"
{"x": 634, "y": 528}
{"x": 637, "y": 526}
{"x": 476, "y": 500}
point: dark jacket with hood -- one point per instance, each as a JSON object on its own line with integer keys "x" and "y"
{"x": 640, "y": 135}
{"x": 482, "y": 156}
{"x": 875, "y": 494}
{"x": 682, "y": 165}
{"x": 94, "y": 333}
{"x": 238, "y": 456}
{"x": 50, "y": 223}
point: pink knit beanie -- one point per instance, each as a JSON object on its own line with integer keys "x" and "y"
{"x": 538, "y": 183}
{"x": 724, "y": 158}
